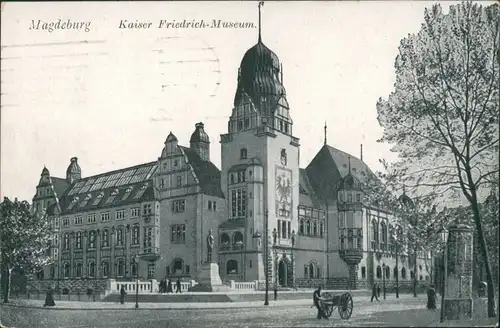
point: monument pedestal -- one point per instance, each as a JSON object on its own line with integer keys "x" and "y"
{"x": 209, "y": 280}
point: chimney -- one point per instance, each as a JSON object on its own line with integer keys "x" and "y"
{"x": 361, "y": 157}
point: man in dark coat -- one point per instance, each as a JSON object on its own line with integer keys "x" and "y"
{"x": 163, "y": 286}
{"x": 317, "y": 303}
{"x": 431, "y": 298}
{"x": 375, "y": 292}
{"x": 169, "y": 286}
{"x": 49, "y": 299}
{"x": 122, "y": 294}
{"x": 178, "y": 285}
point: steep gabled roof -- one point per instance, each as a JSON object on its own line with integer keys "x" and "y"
{"x": 206, "y": 172}
{"x": 307, "y": 196}
{"x": 116, "y": 188}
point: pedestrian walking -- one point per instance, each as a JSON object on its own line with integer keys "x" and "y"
{"x": 378, "y": 291}
{"x": 163, "y": 286}
{"x": 178, "y": 285}
{"x": 122, "y": 295}
{"x": 317, "y": 303}
{"x": 431, "y": 298}
{"x": 49, "y": 298}
{"x": 374, "y": 292}
{"x": 169, "y": 287}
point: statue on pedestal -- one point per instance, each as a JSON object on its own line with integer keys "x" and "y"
{"x": 210, "y": 245}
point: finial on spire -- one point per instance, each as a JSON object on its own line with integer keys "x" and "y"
{"x": 404, "y": 189}
{"x": 349, "y": 164}
{"x": 361, "y": 157}
{"x": 261, "y": 3}
{"x": 325, "y": 134}
{"x": 281, "y": 71}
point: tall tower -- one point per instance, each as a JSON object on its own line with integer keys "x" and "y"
{"x": 260, "y": 158}
{"x": 74, "y": 172}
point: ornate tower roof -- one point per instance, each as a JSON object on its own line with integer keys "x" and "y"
{"x": 199, "y": 134}
{"x": 45, "y": 171}
{"x": 171, "y": 137}
{"x": 73, "y": 166}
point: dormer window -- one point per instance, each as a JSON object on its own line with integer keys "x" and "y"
{"x": 73, "y": 203}
{"x": 86, "y": 200}
{"x": 243, "y": 153}
{"x": 127, "y": 193}
{"x": 98, "y": 199}
{"x": 112, "y": 196}
{"x": 141, "y": 191}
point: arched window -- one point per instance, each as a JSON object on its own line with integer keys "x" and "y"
{"x": 52, "y": 272}
{"x": 135, "y": 235}
{"x": 224, "y": 239}
{"x": 237, "y": 238}
{"x": 66, "y": 241}
{"x": 301, "y": 227}
{"x": 383, "y": 244}
{"x": 358, "y": 197}
{"x": 350, "y": 239}
{"x": 178, "y": 266}
{"x": 105, "y": 269}
{"x": 308, "y": 228}
{"x": 395, "y": 272}
{"x": 232, "y": 267}
{"x": 91, "y": 269}
{"x": 411, "y": 274}
{"x": 387, "y": 272}
{"x": 78, "y": 270}
{"x": 79, "y": 240}
{"x": 315, "y": 229}
{"x": 92, "y": 235}
{"x": 342, "y": 239}
{"x": 119, "y": 237}
{"x": 133, "y": 269}
{"x": 120, "y": 272}
{"x": 321, "y": 229}
{"x": 360, "y": 238}
{"x": 105, "y": 238}
{"x": 374, "y": 234}
{"x": 403, "y": 273}
{"x": 66, "y": 270}
{"x": 341, "y": 220}
{"x": 243, "y": 153}
{"x": 311, "y": 270}
{"x": 379, "y": 272}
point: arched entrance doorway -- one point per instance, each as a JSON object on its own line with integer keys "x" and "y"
{"x": 285, "y": 272}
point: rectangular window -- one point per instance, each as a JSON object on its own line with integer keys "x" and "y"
{"x": 279, "y": 228}
{"x": 238, "y": 203}
{"x": 56, "y": 254}
{"x": 162, "y": 183}
{"x": 179, "y": 181}
{"x": 283, "y": 228}
{"x": 120, "y": 215}
{"x": 214, "y": 207}
{"x": 289, "y": 226}
{"x": 105, "y": 217}
{"x": 151, "y": 271}
{"x": 78, "y": 220}
{"x": 134, "y": 212}
{"x": 147, "y": 209}
{"x": 148, "y": 239}
{"x": 65, "y": 222}
{"x": 91, "y": 218}
{"x": 57, "y": 222}
{"x": 209, "y": 205}
{"x": 178, "y": 206}
{"x": 363, "y": 272}
{"x": 178, "y": 234}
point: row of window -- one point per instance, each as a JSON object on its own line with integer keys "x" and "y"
{"x": 284, "y": 229}
{"x": 237, "y": 239}
{"x": 309, "y": 212}
{"x": 349, "y": 197}
{"x": 238, "y": 203}
{"x": 379, "y": 239}
{"x": 239, "y": 176}
{"x": 104, "y": 271}
{"x": 311, "y": 228}
{"x": 105, "y": 216}
{"x": 354, "y": 239}
{"x": 388, "y": 273}
{"x": 312, "y": 270}
{"x": 105, "y": 238}
{"x": 111, "y": 198}
{"x": 178, "y": 180}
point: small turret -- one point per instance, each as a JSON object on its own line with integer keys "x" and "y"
{"x": 74, "y": 172}
{"x": 200, "y": 142}
{"x": 170, "y": 145}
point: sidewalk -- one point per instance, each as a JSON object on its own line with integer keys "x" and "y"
{"x": 75, "y": 305}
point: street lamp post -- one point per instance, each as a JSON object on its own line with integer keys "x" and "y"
{"x": 275, "y": 234}
{"x": 444, "y": 238}
{"x": 293, "y": 259}
{"x": 383, "y": 276}
{"x": 136, "y": 259}
{"x": 266, "y": 299}
{"x": 397, "y": 270}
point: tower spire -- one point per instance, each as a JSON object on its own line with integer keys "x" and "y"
{"x": 261, "y": 3}
{"x": 325, "y": 134}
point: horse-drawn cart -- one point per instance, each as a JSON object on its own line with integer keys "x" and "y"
{"x": 343, "y": 302}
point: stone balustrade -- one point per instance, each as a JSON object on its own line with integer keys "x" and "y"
{"x": 144, "y": 287}
{"x": 237, "y": 285}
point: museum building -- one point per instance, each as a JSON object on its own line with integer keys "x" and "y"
{"x": 308, "y": 226}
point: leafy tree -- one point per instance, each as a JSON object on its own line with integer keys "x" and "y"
{"x": 442, "y": 117}
{"x": 23, "y": 242}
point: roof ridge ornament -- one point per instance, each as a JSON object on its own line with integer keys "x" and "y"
{"x": 261, "y": 3}
{"x": 325, "y": 134}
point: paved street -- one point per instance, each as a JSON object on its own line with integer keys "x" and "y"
{"x": 407, "y": 311}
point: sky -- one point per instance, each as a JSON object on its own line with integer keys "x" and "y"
{"x": 111, "y": 96}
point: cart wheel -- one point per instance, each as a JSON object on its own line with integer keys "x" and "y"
{"x": 327, "y": 304}
{"x": 346, "y": 306}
